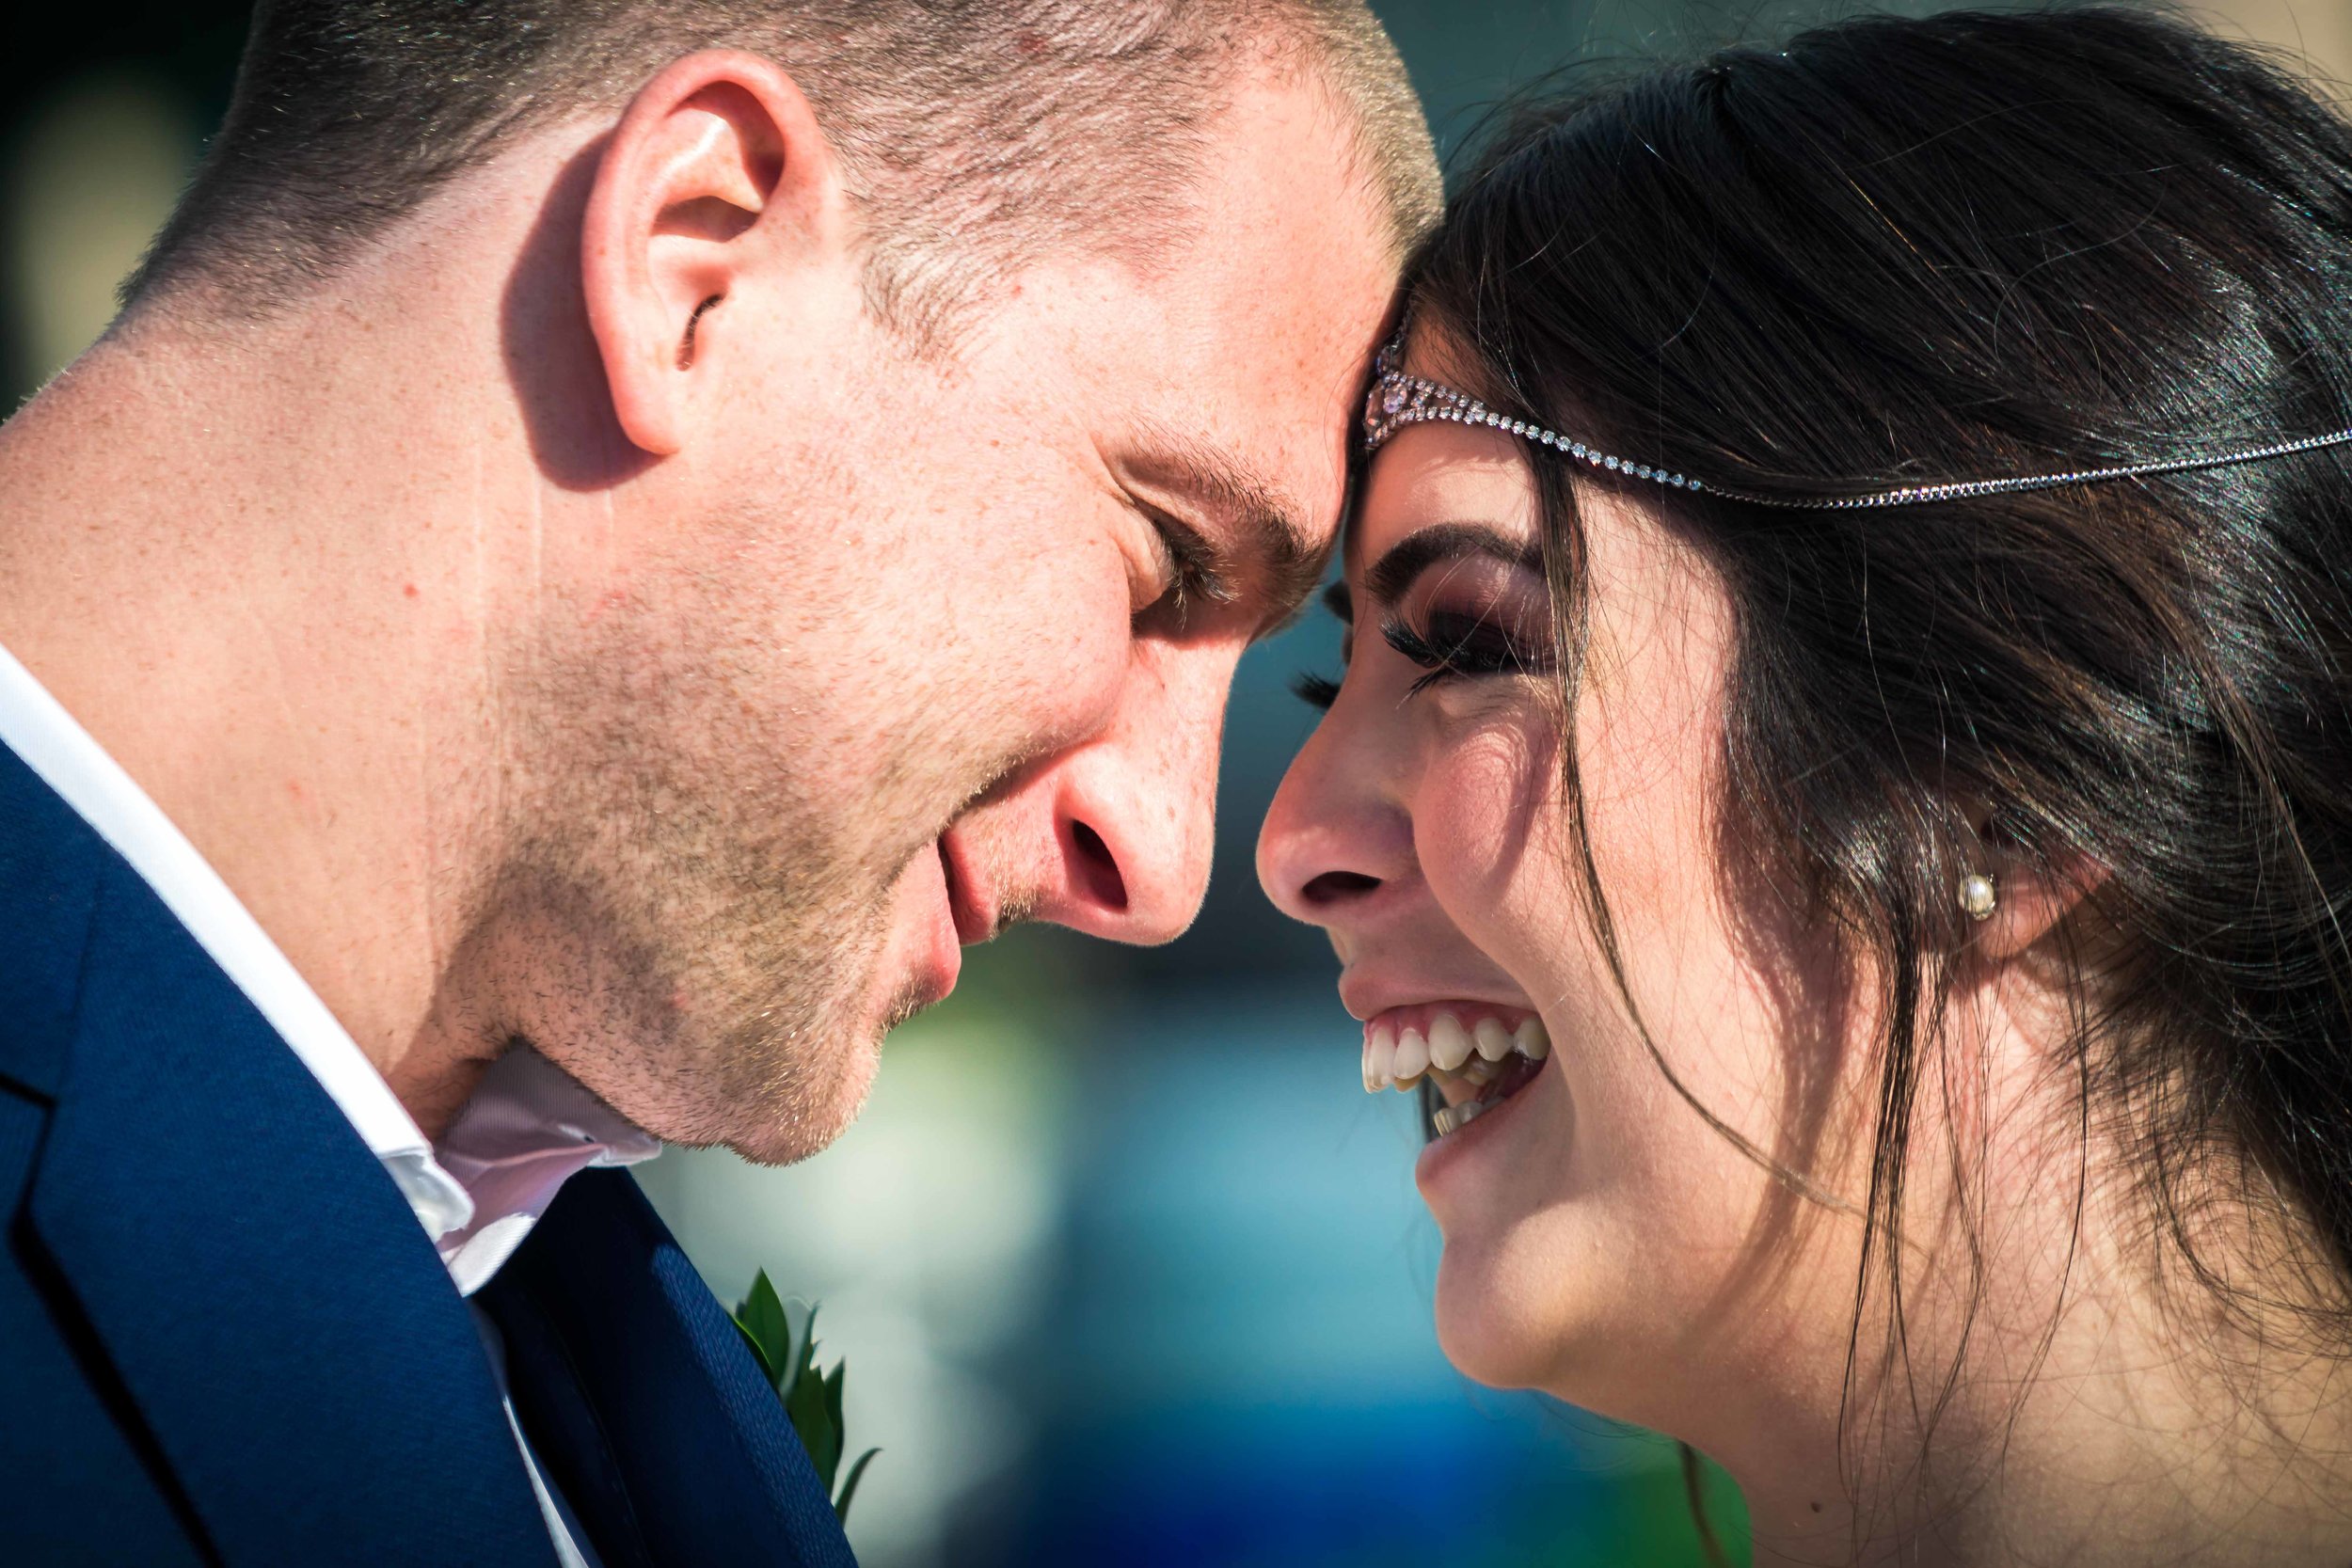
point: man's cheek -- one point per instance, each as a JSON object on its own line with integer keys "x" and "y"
{"x": 1072, "y": 657}
{"x": 1065, "y": 695}
{"x": 1029, "y": 659}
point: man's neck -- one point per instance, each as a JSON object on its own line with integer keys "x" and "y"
{"x": 269, "y": 570}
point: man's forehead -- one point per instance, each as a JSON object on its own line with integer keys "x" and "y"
{"x": 1290, "y": 265}
{"x": 1253, "y": 415}
{"x": 1227, "y": 375}
{"x": 1255, "y": 399}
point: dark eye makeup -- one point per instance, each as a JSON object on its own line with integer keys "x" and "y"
{"x": 1472, "y": 624}
{"x": 1462, "y": 645}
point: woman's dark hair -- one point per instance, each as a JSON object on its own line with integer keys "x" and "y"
{"x": 1969, "y": 246}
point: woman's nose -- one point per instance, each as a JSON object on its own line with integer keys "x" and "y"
{"x": 1333, "y": 837}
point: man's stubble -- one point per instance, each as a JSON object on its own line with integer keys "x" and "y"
{"x": 700, "y": 926}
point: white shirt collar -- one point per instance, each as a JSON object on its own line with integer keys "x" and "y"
{"x": 528, "y": 1127}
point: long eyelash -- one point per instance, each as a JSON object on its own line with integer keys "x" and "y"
{"x": 1314, "y": 691}
{"x": 1194, "y": 580}
{"x": 1447, "y": 661}
{"x": 1441, "y": 663}
{"x": 1191, "y": 588}
{"x": 1413, "y": 646}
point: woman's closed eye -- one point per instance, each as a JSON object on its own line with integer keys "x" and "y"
{"x": 1451, "y": 643}
{"x": 1464, "y": 602}
{"x": 1461, "y": 644}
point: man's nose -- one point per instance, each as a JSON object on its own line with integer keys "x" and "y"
{"x": 1129, "y": 818}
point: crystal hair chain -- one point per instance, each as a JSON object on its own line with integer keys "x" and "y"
{"x": 1399, "y": 400}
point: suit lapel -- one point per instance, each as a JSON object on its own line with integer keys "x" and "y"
{"x": 642, "y": 1400}
{"x": 256, "y": 1282}
{"x": 49, "y": 870}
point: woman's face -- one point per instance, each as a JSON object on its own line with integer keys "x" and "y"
{"x": 1600, "y": 1237}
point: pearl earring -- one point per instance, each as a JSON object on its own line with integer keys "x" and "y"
{"x": 1977, "y": 896}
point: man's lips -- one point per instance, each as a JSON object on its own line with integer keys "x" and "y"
{"x": 970, "y": 902}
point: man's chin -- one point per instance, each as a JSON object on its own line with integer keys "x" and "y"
{"x": 910, "y": 1002}
{"x": 773, "y": 1094}
{"x": 841, "y": 1099}
{"x": 796, "y": 1133}
{"x": 807, "y": 1117}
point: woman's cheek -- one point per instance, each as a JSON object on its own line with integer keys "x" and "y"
{"x": 1487, "y": 829}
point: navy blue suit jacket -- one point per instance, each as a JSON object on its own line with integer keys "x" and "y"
{"x": 224, "y": 1338}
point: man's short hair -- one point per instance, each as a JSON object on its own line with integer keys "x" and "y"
{"x": 974, "y": 135}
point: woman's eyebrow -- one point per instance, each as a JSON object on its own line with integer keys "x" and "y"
{"x": 1342, "y": 608}
{"x": 1393, "y": 576}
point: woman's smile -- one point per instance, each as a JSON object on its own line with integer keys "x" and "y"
{"x": 1461, "y": 1047}
{"x": 1515, "y": 1100}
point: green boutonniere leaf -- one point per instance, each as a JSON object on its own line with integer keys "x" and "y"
{"x": 811, "y": 1399}
{"x": 848, "y": 1487}
{"x": 767, "y": 1329}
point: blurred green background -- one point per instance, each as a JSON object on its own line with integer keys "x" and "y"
{"x": 1126, "y": 1266}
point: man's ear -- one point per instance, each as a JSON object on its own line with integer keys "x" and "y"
{"x": 717, "y": 169}
{"x": 2031, "y": 898}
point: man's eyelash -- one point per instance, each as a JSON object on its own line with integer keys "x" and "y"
{"x": 1194, "y": 579}
{"x": 1199, "y": 585}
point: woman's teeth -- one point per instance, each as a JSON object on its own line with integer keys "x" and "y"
{"x": 1453, "y": 1118}
{"x": 1411, "y": 1058}
{"x": 1448, "y": 1051}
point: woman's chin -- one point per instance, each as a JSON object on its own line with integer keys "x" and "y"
{"x": 1491, "y": 1331}
{"x": 1504, "y": 1320}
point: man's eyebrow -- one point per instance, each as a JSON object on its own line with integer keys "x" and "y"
{"x": 1393, "y": 574}
{"x": 1268, "y": 537}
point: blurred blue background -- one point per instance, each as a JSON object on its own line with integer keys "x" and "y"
{"x": 1126, "y": 1266}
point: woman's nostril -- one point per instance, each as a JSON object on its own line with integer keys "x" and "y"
{"x": 1335, "y": 887}
{"x": 1098, "y": 866}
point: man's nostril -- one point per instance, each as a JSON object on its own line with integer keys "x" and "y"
{"x": 1335, "y": 887}
{"x": 1097, "y": 866}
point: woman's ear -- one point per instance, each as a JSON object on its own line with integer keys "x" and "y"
{"x": 2028, "y": 895}
{"x": 716, "y": 173}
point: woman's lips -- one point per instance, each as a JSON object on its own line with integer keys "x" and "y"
{"x": 1455, "y": 1142}
{"x": 1371, "y": 987}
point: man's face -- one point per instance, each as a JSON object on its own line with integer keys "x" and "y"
{"x": 915, "y": 648}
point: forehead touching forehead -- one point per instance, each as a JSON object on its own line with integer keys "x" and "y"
{"x": 1442, "y": 468}
{"x": 1229, "y": 368}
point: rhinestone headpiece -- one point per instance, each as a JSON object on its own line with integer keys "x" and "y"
{"x": 1398, "y": 399}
